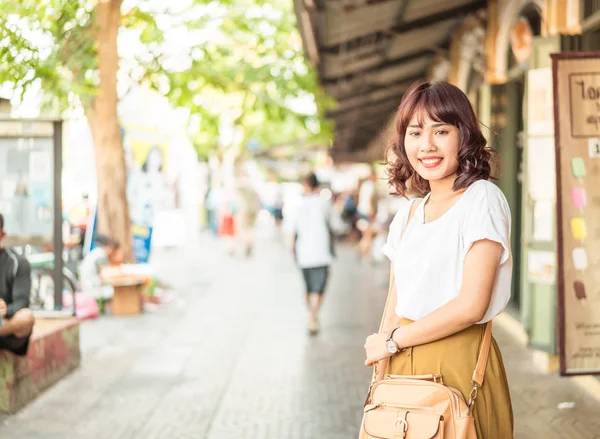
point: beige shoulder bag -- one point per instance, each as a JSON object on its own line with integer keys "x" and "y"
{"x": 421, "y": 406}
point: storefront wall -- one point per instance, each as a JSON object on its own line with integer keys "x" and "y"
{"x": 514, "y": 99}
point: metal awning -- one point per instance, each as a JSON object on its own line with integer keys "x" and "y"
{"x": 367, "y": 53}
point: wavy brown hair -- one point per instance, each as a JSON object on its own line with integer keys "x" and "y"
{"x": 441, "y": 102}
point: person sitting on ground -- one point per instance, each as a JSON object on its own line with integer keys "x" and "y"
{"x": 15, "y": 287}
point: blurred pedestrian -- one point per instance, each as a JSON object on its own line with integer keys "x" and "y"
{"x": 350, "y": 216}
{"x": 368, "y": 201}
{"x": 278, "y": 206}
{"x": 228, "y": 205}
{"x": 248, "y": 207}
{"x": 339, "y": 226}
{"x": 16, "y": 319}
{"x": 313, "y": 247}
{"x": 450, "y": 254}
{"x": 105, "y": 253}
{"x": 213, "y": 201}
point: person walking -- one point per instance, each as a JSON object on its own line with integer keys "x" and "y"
{"x": 248, "y": 208}
{"x": 228, "y": 205}
{"x": 313, "y": 247}
{"x": 450, "y": 254}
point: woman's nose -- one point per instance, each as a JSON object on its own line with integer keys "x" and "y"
{"x": 428, "y": 145}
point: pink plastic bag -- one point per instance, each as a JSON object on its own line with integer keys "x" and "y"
{"x": 87, "y": 307}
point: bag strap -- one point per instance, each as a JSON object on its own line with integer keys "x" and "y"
{"x": 391, "y": 286}
{"x": 484, "y": 354}
{"x": 414, "y": 204}
{"x": 482, "y": 359}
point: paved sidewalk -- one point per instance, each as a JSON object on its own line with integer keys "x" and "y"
{"x": 231, "y": 359}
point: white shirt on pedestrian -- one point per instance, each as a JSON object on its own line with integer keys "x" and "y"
{"x": 365, "y": 198}
{"x": 428, "y": 258}
{"x": 313, "y": 247}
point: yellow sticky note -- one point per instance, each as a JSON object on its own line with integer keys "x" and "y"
{"x": 578, "y": 228}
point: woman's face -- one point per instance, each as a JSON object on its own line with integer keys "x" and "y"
{"x": 432, "y": 148}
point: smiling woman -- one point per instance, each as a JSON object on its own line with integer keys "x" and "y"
{"x": 452, "y": 262}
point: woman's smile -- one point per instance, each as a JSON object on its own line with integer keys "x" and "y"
{"x": 431, "y": 162}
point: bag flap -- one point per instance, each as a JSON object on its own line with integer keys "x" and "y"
{"x": 381, "y": 423}
{"x": 413, "y": 393}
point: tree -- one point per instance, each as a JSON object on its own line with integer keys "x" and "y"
{"x": 70, "y": 47}
{"x": 249, "y": 64}
{"x": 253, "y": 69}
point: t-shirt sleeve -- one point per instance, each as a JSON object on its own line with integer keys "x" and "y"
{"x": 390, "y": 248}
{"x": 487, "y": 217}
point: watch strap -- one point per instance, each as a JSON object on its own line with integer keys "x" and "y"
{"x": 391, "y": 336}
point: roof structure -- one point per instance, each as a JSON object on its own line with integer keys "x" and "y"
{"x": 367, "y": 53}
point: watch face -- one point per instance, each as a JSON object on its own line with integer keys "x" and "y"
{"x": 391, "y": 346}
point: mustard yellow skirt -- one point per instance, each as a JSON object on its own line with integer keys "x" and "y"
{"x": 454, "y": 358}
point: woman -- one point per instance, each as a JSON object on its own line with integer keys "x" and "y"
{"x": 313, "y": 247}
{"x": 450, "y": 254}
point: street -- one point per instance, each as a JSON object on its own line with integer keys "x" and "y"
{"x": 230, "y": 357}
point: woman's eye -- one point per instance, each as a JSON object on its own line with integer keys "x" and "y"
{"x": 413, "y": 134}
{"x": 442, "y": 132}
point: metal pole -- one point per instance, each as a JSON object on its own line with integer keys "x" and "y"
{"x": 58, "y": 238}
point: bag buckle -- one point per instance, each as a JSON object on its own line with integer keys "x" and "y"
{"x": 400, "y": 433}
{"x": 472, "y": 397}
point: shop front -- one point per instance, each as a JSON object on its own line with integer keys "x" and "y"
{"x": 508, "y": 76}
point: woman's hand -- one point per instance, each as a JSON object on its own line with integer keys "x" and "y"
{"x": 375, "y": 348}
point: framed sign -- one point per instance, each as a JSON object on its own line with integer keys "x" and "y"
{"x": 576, "y": 83}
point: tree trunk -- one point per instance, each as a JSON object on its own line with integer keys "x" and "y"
{"x": 113, "y": 209}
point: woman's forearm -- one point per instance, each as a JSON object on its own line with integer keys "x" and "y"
{"x": 451, "y": 318}
{"x": 390, "y": 321}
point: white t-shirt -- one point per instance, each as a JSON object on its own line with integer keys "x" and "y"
{"x": 365, "y": 198}
{"x": 312, "y": 229}
{"x": 428, "y": 260}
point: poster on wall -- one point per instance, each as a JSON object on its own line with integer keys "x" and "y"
{"x": 576, "y": 83}
{"x": 540, "y": 118}
{"x": 26, "y": 188}
{"x": 147, "y": 189}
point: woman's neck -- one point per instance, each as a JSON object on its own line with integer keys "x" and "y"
{"x": 442, "y": 189}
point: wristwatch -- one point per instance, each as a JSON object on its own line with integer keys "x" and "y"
{"x": 391, "y": 345}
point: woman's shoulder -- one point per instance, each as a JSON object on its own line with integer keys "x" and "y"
{"x": 403, "y": 211}
{"x": 397, "y": 226}
{"x": 486, "y": 194}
